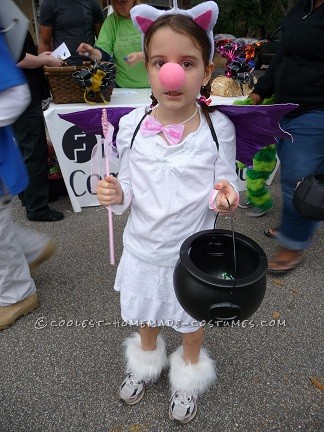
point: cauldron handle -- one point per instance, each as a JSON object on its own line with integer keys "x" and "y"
{"x": 214, "y": 310}
{"x": 233, "y": 238}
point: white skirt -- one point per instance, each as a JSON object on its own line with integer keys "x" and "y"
{"x": 147, "y": 295}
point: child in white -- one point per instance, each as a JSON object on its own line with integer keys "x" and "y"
{"x": 168, "y": 186}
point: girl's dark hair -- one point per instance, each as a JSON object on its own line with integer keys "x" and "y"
{"x": 183, "y": 24}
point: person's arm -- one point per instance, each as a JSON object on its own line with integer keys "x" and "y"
{"x": 45, "y": 38}
{"x": 109, "y": 191}
{"x": 46, "y": 26}
{"x": 14, "y": 91}
{"x": 127, "y": 125}
{"x": 103, "y": 49}
{"x": 97, "y": 29}
{"x": 225, "y": 182}
{"x": 94, "y": 53}
{"x": 265, "y": 85}
{"x": 134, "y": 58}
{"x": 226, "y": 199}
{"x": 15, "y": 100}
{"x": 105, "y": 41}
{"x": 98, "y": 18}
{"x": 31, "y": 61}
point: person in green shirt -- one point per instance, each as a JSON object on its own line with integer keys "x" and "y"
{"x": 119, "y": 41}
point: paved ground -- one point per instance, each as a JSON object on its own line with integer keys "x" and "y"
{"x": 63, "y": 377}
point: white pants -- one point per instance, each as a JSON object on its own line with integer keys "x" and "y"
{"x": 18, "y": 247}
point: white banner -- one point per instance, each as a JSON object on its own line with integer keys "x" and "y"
{"x": 73, "y": 147}
{"x": 74, "y": 156}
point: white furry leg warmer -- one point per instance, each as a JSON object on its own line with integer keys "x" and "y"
{"x": 146, "y": 365}
{"x": 195, "y": 378}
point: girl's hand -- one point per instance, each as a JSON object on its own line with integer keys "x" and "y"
{"x": 109, "y": 191}
{"x": 225, "y": 192}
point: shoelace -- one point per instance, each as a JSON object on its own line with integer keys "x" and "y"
{"x": 183, "y": 397}
{"x": 133, "y": 381}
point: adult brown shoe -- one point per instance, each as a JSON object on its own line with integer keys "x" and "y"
{"x": 10, "y": 314}
{"x": 284, "y": 260}
{"x": 44, "y": 255}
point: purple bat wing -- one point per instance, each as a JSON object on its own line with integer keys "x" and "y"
{"x": 256, "y": 126}
{"x": 89, "y": 121}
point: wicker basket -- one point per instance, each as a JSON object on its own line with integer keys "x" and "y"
{"x": 64, "y": 89}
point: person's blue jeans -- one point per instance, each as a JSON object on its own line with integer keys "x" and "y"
{"x": 298, "y": 158}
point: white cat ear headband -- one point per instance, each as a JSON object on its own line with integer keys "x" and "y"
{"x": 205, "y": 15}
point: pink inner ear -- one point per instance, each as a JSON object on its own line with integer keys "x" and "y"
{"x": 204, "y": 20}
{"x": 144, "y": 23}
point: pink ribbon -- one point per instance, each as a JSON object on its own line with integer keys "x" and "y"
{"x": 151, "y": 126}
{"x": 203, "y": 100}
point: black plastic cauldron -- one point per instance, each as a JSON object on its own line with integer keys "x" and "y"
{"x": 216, "y": 282}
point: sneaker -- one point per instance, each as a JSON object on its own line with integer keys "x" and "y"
{"x": 183, "y": 406}
{"x": 257, "y": 212}
{"x": 44, "y": 255}
{"x": 10, "y": 314}
{"x": 245, "y": 204}
{"x": 132, "y": 389}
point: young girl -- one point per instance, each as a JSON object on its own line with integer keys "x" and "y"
{"x": 168, "y": 185}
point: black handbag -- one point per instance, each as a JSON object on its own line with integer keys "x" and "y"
{"x": 308, "y": 198}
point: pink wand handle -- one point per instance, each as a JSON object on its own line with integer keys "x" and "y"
{"x": 106, "y": 128}
{"x": 110, "y": 222}
{"x": 111, "y": 236}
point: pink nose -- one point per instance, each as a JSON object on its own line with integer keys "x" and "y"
{"x": 172, "y": 76}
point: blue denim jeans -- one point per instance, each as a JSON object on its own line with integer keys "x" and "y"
{"x": 298, "y": 158}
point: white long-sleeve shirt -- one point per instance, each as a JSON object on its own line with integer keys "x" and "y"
{"x": 168, "y": 187}
{"x": 13, "y": 101}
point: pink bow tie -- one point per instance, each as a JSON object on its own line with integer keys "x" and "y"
{"x": 151, "y": 126}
